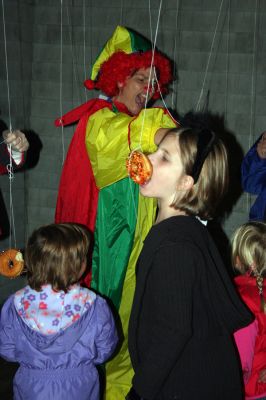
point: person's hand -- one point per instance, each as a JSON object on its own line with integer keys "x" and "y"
{"x": 262, "y": 376}
{"x": 261, "y": 146}
{"x": 17, "y": 140}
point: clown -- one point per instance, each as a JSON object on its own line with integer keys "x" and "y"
{"x": 95, "y": 189}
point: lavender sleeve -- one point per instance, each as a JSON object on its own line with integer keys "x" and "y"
{"x": 7, "y": 342}
{"x": 106, "y": 337}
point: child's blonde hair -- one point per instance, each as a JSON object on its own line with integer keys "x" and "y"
{"x": 249, "y": 252}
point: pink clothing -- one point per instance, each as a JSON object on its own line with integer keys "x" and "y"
{"x": 251, "y": 340}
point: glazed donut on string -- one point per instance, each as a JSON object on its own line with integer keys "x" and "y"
{"x": 139, "y": 167}
{"x": 11, "y": 263}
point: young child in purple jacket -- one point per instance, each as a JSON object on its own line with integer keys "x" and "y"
{"x": 54, "y": 328}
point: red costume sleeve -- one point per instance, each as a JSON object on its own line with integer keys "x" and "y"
{"x": 78, "y": 195}
{"x": 77, "y": 199}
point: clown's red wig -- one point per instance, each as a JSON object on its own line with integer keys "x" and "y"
{"x": 121, "y": 65}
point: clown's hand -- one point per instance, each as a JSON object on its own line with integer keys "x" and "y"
{"x": 17, "y": 140}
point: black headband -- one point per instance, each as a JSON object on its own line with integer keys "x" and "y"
{"x": 205, "y": 142}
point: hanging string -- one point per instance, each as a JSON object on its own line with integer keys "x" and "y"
{"x": 73, "y": 53}
{"x": 11, "y": 208}
{"x": 150, "y": 20}
{"x": 84, "y": 44}
{"x": 227, "y": 58}
{"x": 174, "y": 55}
{"x": 10, "y": 165}
{"x": 6, "y": 64}
{"x": 209, "y": 58}
{"x": 162, "y": 98}
{"x": 61, "y": 81}
{"x": 90, "y": 30}
{"x": 253, "y": 77}
{"x": 251, "y": 137}
{"x": 153, "y": 47}
{"x": 121, "y": 11}
{"x": 152, "y": 69}
{"x": 61, "y": 71}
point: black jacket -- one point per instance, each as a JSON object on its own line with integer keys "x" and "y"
{"x": 185, "y": 310}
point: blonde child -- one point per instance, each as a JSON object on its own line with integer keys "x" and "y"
{"x": 249, "y": 258}
{"x": 185, "y": 307}
{"x": 54, "y": 328}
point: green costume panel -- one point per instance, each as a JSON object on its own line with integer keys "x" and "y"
{"x": 123, "y": 218}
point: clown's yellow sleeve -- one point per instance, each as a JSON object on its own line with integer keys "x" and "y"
{"x": 107, "y": 143}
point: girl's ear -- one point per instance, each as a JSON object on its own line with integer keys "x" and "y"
{"x": 239, "y": 266}
{"x": 186, "y": 183}
{"x": 120, "y": 85}
{"x": 237, "y": 261}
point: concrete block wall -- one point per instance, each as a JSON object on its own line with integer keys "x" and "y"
{"x": 234, "y": 88}
{"x": 18, "y": 18}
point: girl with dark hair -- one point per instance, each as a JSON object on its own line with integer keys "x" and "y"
{"x": 55, "y": 329}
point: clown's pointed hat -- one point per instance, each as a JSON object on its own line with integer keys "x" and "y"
{"x": 123, "y": 39}
{"x": 125, "y": 52}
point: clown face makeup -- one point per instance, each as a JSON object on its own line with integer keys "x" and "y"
{"x": 134, "y": 93}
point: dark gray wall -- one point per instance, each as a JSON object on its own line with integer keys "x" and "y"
{"x": 234, "y": 86}
{"x": 18, "y": 22}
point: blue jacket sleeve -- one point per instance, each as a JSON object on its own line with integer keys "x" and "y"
{"x": 253, "y": 171}
{"x": 7, "y": 342}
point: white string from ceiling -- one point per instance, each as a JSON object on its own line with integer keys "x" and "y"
{"x": 61, "y": 81}
{"x": 174, "y": 86}
{"x": 251, "y": 136}
{"x": 10, "y": 165}
{"x": 209, "y": 58}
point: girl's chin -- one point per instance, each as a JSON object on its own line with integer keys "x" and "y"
{"x": 136, "y": 110}
{"x": 144, "y": 190}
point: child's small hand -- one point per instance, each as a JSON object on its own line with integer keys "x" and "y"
{"x": 262, "y": 376}
{"x": 261, "y": 146}
{"x": 17, "y": 139}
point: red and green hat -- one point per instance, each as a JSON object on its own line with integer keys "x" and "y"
{"x": 124, "y": 53}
